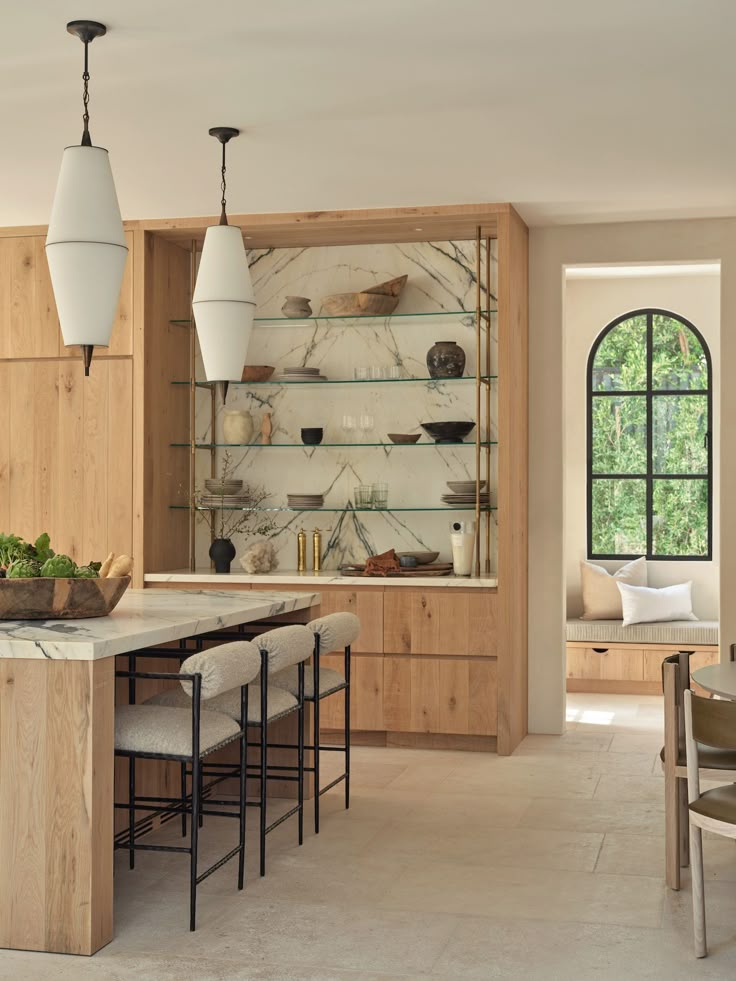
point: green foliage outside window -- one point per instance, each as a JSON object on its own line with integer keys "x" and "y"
{"x": 676, "y": 414}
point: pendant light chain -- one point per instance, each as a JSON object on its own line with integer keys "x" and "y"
{"x": 223, "y": 186}
{"x": 86, "y": 138}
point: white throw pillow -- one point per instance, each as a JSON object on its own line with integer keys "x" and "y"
{"x": 642, "y": 604}
{"x": 601, "y": 598}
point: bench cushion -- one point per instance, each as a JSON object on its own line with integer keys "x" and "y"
{"x": 677, "y": 633}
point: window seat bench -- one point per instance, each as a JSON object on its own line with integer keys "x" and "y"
{"x": 604, "y": 656}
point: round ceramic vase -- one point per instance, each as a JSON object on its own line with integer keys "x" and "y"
{"x": 445, "y": 359}
{"x": 237, "y": 426}
{"x": 222, "y": 552}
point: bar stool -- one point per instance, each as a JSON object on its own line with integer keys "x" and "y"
{"x": 337, "y": 631}
{"x": 187, "y": 735}
{"x": 278, "y": 649}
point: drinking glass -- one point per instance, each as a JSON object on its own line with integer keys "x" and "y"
{"x": 396, "y": 371}
{"x": 366, "y": 423}
{"x": 349, "y": 425}
{"x": 362, "y": 374}
{"x": 380, "y": 496}
{"x": 364, "y": 496}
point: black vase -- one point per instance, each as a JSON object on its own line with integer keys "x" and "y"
{"x": 445, "y": 359}
{"x": 222, "y": 552}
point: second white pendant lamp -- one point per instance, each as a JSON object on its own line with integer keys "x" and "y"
{"x": 223, "y": 301}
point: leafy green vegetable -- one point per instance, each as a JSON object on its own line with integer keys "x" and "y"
{"x": 11, "y": 548}
{"x": 24, "y": 569}
{"x": 59, "y": 567}
{"x": 42, "y": 547}
{"x": 86, "y": 572}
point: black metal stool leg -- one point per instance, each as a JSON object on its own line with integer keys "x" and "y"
{"x": 300, "y": 754}
{"x": 263, "y": 760}
{"x": 183, "y": 800}
{"x": 131, "y": 810}
{"x": 196, "y": 805}
{"x": 347, "y": 728}
{"x": 315, "y": 755}
{"x": 243, "y": 774}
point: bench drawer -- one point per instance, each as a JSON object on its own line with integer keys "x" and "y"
{"x": 653, "y": 661}
{"x": 605, "y": 663}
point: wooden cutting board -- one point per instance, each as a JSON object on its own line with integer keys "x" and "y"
{"x": 435, "y": 569}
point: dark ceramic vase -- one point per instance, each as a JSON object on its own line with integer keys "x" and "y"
{"x": 222, "y": 552}
{"x": 445, "y": 359}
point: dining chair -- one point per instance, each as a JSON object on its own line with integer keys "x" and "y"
{"x": 188, "y": 735}
{"x": 716, "y": 764}
{"x": 708, "y": 722}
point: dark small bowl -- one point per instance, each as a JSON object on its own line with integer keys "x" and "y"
{"x": 448, "y": 432}
{"x": 312, "y": 437}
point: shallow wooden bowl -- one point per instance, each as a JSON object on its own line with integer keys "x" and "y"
{"x": 404, "y": 437}
{"x": 257, "y": 372}
{"x": 59, "y": 599}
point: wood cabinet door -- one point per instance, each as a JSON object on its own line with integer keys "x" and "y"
{"x": 441, "y": 621}
{"x": 605, "y": 663}
{"x": 440, "y": 695}
{"x": 366, "y": 694}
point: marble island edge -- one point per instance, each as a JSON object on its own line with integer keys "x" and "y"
{"x": 325, "y": 578}
{"x": 143, "y": 618}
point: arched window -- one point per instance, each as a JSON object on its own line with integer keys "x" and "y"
{"x": 649, "y": 439}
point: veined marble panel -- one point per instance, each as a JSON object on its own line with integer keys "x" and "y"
{"x": 441, "y": 278}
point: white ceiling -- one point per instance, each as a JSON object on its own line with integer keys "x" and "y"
{"x": 576, "y": 110}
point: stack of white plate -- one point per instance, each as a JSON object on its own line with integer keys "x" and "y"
{"x": 301, "y": 374}
{"x": 223, "y": 500}
{"x": 462, "y": 494}
{"x": 305, "y": 501}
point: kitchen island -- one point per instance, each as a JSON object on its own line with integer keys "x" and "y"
{"x": 57, "y": 713}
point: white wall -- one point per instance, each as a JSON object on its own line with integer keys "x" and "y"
{"x": 552, "y": 249}
{"x": 591, "y": 304}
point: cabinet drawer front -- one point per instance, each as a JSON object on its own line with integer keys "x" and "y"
{"x": 653, "y": 661}
{"x": 440, "y": 695}
{"x": 440, "y": 622}
{"x": 605, "y": 663}
{"x": 366, "y": 694}
{"x": 366, "y": 604}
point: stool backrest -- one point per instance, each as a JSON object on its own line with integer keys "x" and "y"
{"x": 286, "y": 646}
{"x": 222, "y": 668}
{"x": 336, "y": 631}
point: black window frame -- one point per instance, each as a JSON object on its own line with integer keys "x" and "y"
{"x": 650, "y": 476}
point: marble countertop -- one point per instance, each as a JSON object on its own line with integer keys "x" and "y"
{"x": 327, "y": 577}
{"x": 143, "y": 618}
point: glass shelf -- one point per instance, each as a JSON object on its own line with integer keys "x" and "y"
{"x": 446, "y": 507}
{"x": 317, "y": 446}
{"x": 435, "y": 316}
{"x": 348, "y": 381}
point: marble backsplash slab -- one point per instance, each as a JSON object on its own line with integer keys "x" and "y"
{"x": 441, "y": 278}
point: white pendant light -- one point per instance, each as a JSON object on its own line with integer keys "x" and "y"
{"x": 85, "y": 245}
{"x": 223, "y": 302}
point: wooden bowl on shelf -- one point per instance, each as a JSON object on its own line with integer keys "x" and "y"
{"x": 404, "y": 438}
{"x": 377, "y": 301}
{"x": 59, "y": 599}
{"x": 257, "y": 372}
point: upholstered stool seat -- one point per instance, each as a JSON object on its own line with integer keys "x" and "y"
{"x": 168, "y": 731}
{"x": 280, "y": 702}
{"x": 329, "y": 681}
